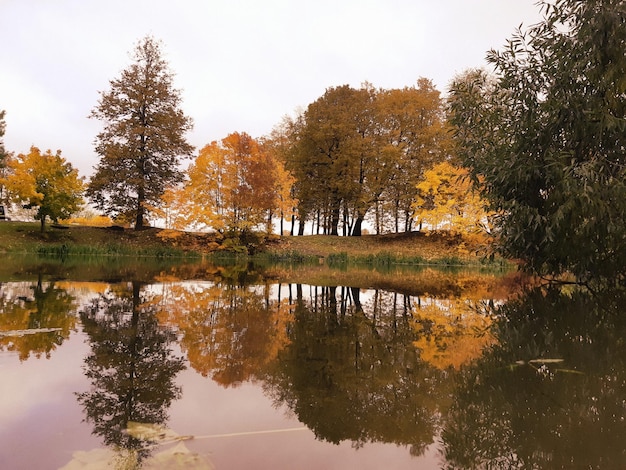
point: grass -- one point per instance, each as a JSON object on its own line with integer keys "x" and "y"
{"x": 26, "y": 238}
{"x": 412, "y": 249}
{"x": 379, "y": 251}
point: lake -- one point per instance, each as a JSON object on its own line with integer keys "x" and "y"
{"x": 111, "y": 364}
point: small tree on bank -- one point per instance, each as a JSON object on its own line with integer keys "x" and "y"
{"x": 46, "y": 182}
{"x": 143, "y": 137}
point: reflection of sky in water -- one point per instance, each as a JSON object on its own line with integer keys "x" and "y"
{"x": 40, "y": 420}
{"x": 246, "y": 408}
{"x": 42, "y": 424}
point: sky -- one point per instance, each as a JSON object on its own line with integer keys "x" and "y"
{"x": 241, "y": 65}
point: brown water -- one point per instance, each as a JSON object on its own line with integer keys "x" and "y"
{"x": 220, "y": 372}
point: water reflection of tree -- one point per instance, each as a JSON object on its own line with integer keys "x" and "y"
{"x": 520, "y": 407}
{"x": 352, "y": 375}
{"x": 45, "y": 307}
{"x": 230, "y": 331}
{"x": 131, "y": 367}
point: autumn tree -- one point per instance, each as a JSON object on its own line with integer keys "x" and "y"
{"x": 547, "y": 140}
{"x": 322, "y": 157}
{"x": 334, "y": 152}
{"x": 415, "y": 137}
{"x": 46, "y": 182}
{"x": 362, "y": 151}
{"x": 446, "y": 200}
{"x": 233, "y": 187}
{"x": 143, "y": 137}
{"x": 279, "y": 146}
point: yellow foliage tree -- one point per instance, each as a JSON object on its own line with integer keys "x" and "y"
{"x": 451, "y": 332}
{"x": 446, "y": 201}
{"x": 46, "y": 182}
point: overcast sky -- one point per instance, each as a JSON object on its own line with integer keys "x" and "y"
{"x": 241, "y": 64}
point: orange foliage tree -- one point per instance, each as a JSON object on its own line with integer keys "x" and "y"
{"x": 234, "y": 186}
{"x": 228, "y": 333}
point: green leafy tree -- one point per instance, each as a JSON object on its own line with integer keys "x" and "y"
{"x": 46, "y": 182}
{"x": 143, "y": 137}
{"x": 546, "y": 139}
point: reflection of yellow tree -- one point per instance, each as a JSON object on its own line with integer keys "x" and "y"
{"x": 230, "y": 333}
{"x": 451, "y": 332}
{"x": 451, "y": 329}
{"x": 36, "y": 323}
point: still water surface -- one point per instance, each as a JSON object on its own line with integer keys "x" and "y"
{"x": 237, "y": 367}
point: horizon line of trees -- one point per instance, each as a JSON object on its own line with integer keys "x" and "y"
{"x": 354, "y": 155}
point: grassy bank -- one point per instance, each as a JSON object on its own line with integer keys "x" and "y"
{"x": 26, "y": 238}
{"x": 381, "y": 250}
{"x": 373, "y": 250}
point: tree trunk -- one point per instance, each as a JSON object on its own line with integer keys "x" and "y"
{"x": 140, "y": 209}
{"x": 357, "y": 229}
{"x": 334, "y": 217}
{"x": 139, "y": 219}
{"x": 43, "y": 223}
{"x": 301, "y": 227}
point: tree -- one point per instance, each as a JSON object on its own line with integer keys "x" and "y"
{"x": 279, "y": 146}
{"x": 46, "y": 182}
{"x": 547, "y": 140}
{"x": 233, "y": 187}
{"x": 324, "y": 152}
{"x": 143, "y": 137}
{"x": 415, "y": 137}
{"x": 446, "y": 199}
{"x": 355, "y": 150}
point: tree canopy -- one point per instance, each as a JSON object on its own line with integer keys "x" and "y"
{"x": 46, "y": 182}
{"x": 234, "y": 186}
{"x": 360, "y": 152}
{"x": 546, "y": 139}
{"x": 445, "y": 200}
{"x": 143, "y": 137}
